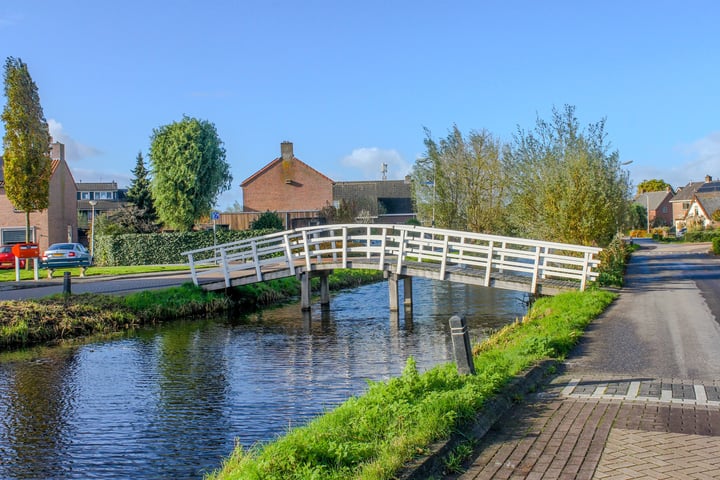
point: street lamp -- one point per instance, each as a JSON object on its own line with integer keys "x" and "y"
{"x": 92, "y": 228}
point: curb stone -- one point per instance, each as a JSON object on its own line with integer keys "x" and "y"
{"x": 432, "y": 465}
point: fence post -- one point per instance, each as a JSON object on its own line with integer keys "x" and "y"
{"x": 461, "y": 345}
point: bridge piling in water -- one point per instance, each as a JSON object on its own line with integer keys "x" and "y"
{"x": 393, "y": 289}
{"x": 306, "y": 288}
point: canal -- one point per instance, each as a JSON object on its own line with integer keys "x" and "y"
{"x": 172, "y": 402}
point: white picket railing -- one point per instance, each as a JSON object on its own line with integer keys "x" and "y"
{"x": 394, "y": 248}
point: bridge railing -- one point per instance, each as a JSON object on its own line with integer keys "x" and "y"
{"x": 395, "y": 247}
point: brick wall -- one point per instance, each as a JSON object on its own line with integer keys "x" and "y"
{"x": 286, "y": 187}
{"x": 51, "y": 225}
{"x": 62, "y": 211}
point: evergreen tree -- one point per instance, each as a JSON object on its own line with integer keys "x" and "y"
{"x": 189, "y": 171}
{"x": 26, "y": 143}
{"x": 139, "y": 193}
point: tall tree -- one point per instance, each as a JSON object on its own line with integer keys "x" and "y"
{"x": 139, "y": 193}
{"x": 189, "y": 171}
{"x": 568, "y": 186}
{"x": 461, "y": 183}
{"x": 653, "y": 185}
{"x": 26, "y": 143}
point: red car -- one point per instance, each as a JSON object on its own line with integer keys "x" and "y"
{"x": 7, "y": 258}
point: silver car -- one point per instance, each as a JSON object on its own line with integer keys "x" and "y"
{"x": 67, "y": 254}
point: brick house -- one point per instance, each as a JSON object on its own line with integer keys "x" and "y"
{"x": 685, "y": 197}
{"x": 58, "y": 223}
{"x": 286, "y": 184}
{"x": 660, "y": 210}
{"x": 704, "y": 205}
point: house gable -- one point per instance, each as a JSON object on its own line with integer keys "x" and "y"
{"x": 286, "y": 184}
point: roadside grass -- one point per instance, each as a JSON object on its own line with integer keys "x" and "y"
{"x": 372, "y": 436}
{"x": 8, "y": 275}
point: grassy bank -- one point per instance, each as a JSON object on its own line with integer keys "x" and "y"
{"x": 24, "y": 323}
{"x": 372, "y": 436}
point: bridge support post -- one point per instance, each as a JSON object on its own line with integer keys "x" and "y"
{"x": 393, "y": 291}
{"x": 324, "y": 289}
{"x": 393, "y": 279}
{"x": 305, "y": 291}
{"x": 407, "y": 290}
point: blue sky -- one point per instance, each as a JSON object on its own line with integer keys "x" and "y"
{"x": 352, "y": 84}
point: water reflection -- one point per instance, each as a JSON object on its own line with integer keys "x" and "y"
{"x": 170, "y": 402}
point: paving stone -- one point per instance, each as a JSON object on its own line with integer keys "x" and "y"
{"x": 712, "y": 393}
{"x": 589, "y": 437}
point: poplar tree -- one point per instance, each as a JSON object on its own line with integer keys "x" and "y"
{"x": 26, "y": 143}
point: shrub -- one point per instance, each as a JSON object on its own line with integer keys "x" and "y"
{"x": 613, "y": 260}
{"x": 267, "y": 221}
{"x": 716, "y": 245}
{"x": 701, "y": 235}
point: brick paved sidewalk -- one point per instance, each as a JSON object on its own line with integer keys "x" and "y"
{"x": 605, "y": 429}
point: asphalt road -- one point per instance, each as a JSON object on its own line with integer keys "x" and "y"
{"x": 120, "y": 285}
{"x": 666, "y": 322}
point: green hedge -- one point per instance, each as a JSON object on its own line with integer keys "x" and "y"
{"x": 701, "y": 235}
{"x": 160, "y": 248}
{"x": 716, "y": 245}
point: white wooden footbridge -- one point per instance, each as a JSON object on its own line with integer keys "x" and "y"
{"x": 400, "y": 252}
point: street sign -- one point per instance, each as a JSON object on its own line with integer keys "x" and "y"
{"x": 215, "y": 215}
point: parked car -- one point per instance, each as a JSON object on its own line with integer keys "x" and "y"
{"x": 7, "y": 258}
{"x": 67, "y": 254}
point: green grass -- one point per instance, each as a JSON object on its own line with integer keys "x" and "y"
{"x": 9, "y": 275}
{"x": 372, "y": 436}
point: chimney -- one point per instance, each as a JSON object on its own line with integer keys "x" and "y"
{"x": 286, "y": 153}
{"x": 57, "y": 151}
{"x": 708, "y": 179}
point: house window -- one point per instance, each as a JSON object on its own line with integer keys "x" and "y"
{"x": 664, "y": 209}
{"x": 84, "y": 195}
{"x": 104, "y": 195}
{"x": 686, "y": 205}
{"x": 15, "y": 235}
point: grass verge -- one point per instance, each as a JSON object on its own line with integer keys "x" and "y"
{"x": 25, "y": 323}
{"x": 372, "y": 436}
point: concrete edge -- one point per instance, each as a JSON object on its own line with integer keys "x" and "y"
{"x": 432, "y": 464}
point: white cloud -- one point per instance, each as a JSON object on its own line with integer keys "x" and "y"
{"x": 369, "y": 161}
{"x": 74, "y": 150}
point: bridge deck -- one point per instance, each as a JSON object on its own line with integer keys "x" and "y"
{"x": 400, "y": 251}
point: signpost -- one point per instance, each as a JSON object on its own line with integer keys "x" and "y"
{"x": 215, "y": 215}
